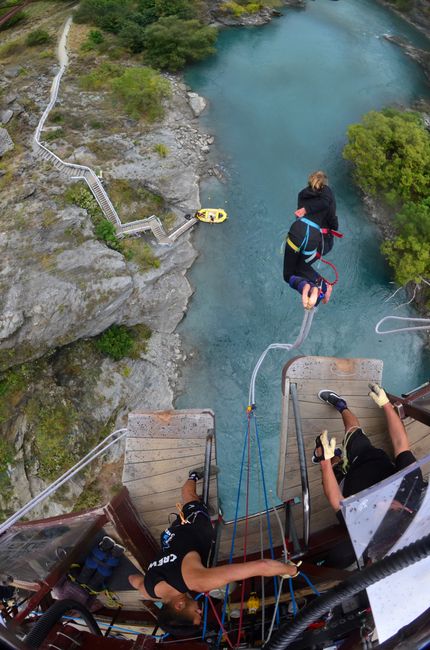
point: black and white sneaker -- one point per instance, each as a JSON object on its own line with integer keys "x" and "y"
{"x": 332, "y": 398}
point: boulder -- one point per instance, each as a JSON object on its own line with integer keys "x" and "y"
{"x": 6, "y": 116}
{"x": 197, "y": 103}
{"x": 6, "y": 142}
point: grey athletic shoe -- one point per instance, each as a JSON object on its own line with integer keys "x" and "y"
{"x": 332, "y": 398}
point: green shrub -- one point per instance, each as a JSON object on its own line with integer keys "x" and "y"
{"x": 105, "y": 231}
{"x": 54, "y": 439}
{"x": 233, "y": 8}
{"x": 37, "y": 37}
{"x": 141, "y": 90}
{"x": 101, "y": 77}
{"x": 12, "y": 385}
{"x": 11, "y": 48}
{"x": 56, "y": 117}
{"x": 96, "y": 37}
{"x": 171, "y": 43}
{"x": 413, "y": 220}
{"x": 116, "y": 342}
{"x": 109, "y": 15}
{"x": 253, "y": 7}
{"x": 409, "y": 257}
{"x": 161, "y": 149}
{"x": 14, "y": 20}
{"x": 141, "y": 254}
{"x": 390, "y": 151}
{"x": 49, "y": 136}
{"x": 81, "y": 196}
{"x": 132, "y": 36}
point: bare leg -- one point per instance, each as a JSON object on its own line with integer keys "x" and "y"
{"x": 189, "y": 492}
{"x": 397, "y": 431}
{"x": 349, "y": 420}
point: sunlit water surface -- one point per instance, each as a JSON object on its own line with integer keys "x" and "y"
{"x": 281, "y": 98}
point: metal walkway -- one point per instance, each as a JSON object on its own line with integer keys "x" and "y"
{"x": 82, "y": 172}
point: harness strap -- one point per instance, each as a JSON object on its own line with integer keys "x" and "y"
{"x": 181, "y": 515}
{"x": 329, "y": 231}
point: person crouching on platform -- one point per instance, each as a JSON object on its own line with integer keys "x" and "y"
{"x": 363, "y": 465}
{"x": 183, "y": 566}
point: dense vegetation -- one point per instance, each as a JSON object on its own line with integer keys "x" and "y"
{"x": 390, "y": 151}
{"x": 169, "y": 33}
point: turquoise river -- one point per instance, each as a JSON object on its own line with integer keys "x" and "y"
{"x": 280, "y": 100}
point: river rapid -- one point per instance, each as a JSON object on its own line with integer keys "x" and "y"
{"x": 281, "y": 98}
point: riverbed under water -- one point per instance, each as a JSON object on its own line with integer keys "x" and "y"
{"x": 281, "y": 98}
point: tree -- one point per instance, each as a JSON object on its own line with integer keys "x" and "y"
{"x": 109, "y": 15}
{"x": 390, "y": 151}
{"x": 409, "y": 257}
{"x": 172, "y": 42}
{"x": 414, "y": 220}
{"x": 142, "y": 91}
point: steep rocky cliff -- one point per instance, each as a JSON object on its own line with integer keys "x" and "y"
{"x": 61, "y": 285}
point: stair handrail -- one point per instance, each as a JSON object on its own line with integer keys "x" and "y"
{"x": 94, "y": 453}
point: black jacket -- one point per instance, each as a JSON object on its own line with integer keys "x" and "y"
{"x": 320, "y": 206}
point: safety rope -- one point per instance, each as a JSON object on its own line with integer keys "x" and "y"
{"x": 304, "y": 331}
{"x": 403, "y": 329}
{"x": 336, "y": 274}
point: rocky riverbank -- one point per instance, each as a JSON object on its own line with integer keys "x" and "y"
{"x": 62, "y": 286}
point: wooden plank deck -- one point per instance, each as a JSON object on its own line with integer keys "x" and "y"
{"x": 161, "y": 448}
{"x": 349, "y": 378}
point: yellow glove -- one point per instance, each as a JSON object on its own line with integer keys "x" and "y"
{"x": 327, "y": 445}
{"x": 378, "y": 395}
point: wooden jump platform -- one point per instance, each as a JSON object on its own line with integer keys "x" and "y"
{"x": 161, "y": 448}
{"x": 349, "y": 378}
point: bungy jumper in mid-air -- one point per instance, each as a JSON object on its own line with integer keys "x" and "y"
{"x": 304, "y": 245}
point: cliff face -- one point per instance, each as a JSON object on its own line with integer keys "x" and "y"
{"x": 420, "y": 14}
{"x": 60, "y": 285}
{"x": 415, "y": 11}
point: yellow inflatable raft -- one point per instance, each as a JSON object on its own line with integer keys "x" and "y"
{"x": 211, "y": 215}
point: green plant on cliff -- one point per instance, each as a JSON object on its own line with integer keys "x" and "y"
{"x": 12, "y": 385}
{"x": 409, "y": 252}
{"x": 171, "y": 43}
{"x": 38, "y": 37}
{"x": 141, "y": 91}
{"x": 54, "y": 438}
{"x": 105, "y": 231}
{"x": 390, "y": 151}
{"x": 119, "y": 341}
{"x": 7, "y": 453}
{"x": 116, "y": 342}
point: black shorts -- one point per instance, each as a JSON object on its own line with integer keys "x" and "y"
{"x": 193, "y": 508}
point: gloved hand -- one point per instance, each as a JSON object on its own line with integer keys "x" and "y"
{"x": 328, "y": 446}
{"x": 378, "y": 395}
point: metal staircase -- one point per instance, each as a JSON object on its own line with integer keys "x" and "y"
{"x": 82, "y": 172}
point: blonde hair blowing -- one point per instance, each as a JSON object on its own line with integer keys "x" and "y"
{"x": 317, "y": 180}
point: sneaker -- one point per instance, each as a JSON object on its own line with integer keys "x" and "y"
{"x": 199, "y": 473}
{"x": 332, "y": 398}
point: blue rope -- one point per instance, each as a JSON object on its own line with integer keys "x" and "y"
{"x": 293, "y": 598}
{"x": 205, "y": 618}
{"x": 314, "y": 589}
{"x": 236, "y": 514}
{"x": 269, "y": 528}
